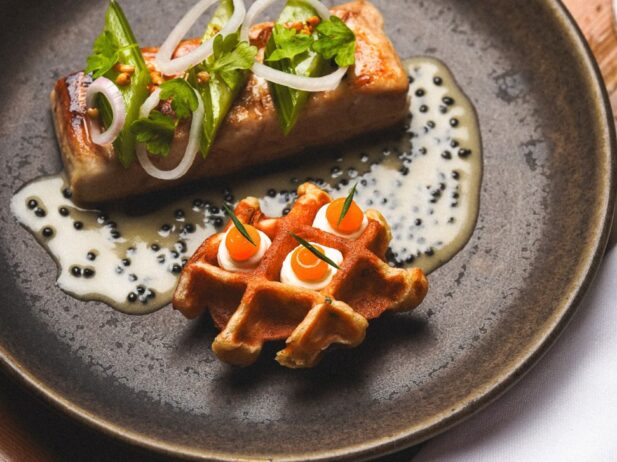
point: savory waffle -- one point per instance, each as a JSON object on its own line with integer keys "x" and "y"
{"x": 255, "y": 307}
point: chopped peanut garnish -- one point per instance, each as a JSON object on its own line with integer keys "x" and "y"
{"x": 297, "y": 25}
{"x": 313, "y": 21}
{"x": 124, "y": 68}
{"x": 156, "y": 77}
{"x": 203, "y": 77}
{"x": 123, "y": 79}
{"x": 93, "y": 113}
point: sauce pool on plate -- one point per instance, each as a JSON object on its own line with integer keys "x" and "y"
{"x": 425, "y": 179}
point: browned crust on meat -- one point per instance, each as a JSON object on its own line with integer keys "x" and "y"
{"x": 372, "y": 97}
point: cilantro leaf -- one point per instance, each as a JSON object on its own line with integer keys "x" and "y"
{"x": 289, "y": 43}
{"x": 337, "y": 41}
{"x": 183, "y": 98}
{"x": 156, "y": 131}
{"x": 105, "y": 54}
{"x": 230, "y": 55}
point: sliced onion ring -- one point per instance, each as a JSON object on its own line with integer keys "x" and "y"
{"x": 298, "y": 82}
{"x": 170, "y": 66}
{"x": 109, "y": 90}
{"x": 191, "y": 149}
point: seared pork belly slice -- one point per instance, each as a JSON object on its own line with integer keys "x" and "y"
{"x": 372, "y": 97}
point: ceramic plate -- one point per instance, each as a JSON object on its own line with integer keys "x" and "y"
{"x": 492, "y": 311}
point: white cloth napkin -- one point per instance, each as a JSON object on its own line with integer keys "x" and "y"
{"x": 565, "y": 409}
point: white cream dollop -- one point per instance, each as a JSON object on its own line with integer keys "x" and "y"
{"x": 289, "y": 277}
{"x": 321, "y": 222}
{"x": 228, "y": 263}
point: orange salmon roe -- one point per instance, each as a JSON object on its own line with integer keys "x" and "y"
{"x": 352, "y": 221}
{"x": 307, "y": 267}
{"x": 239, "y": 247}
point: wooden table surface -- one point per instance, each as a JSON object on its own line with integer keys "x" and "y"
{"x": 32, "y": 431}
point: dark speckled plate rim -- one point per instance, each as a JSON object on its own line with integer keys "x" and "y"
{"x": 478, "y": 398}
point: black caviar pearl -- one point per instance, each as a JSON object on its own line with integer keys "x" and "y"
{"x": 409, "y": 259}
{"x": 115, "y": 234}
{"x": 119, "y": 269}
{"x": 218, "y": 222}
{"x": 66, "y": 192}
{"x": 464, "y": 152}
{"x": 214, "y": 209}
{"x": 411, "y": 80}
{"x": 112, "y": 224}
{"x": 447, "y": 100}
{"x": 344, "y": 181}
{"x": 179, "y": 213}
{"x": 454, "y": 144}
{"x": 271, "y": 192}
{"x": 39, "y": 212}
{"x": 76, "y": 271}
{"x": 174, "y": 254}
{"x": 228, "y": 197}
{"x": 420, "y": 92}
{"x": 418, "y": 221}
{"x": 286, "y": 211}
{"x": 451, "y": 220}
{"x": 189, "y": 228}
{"x": 155, "y": 247}
{"x": 455, "y": 195}
{"x": 47, "y": 231}
{"x": 88, "y": 272}
{"x": 131, "y": 251}
{"x": 141, "y": 290}
{"x": 32, "y": 204}
{"x": 184, "y": 262}
{"x": 165, "y": 228}
{"x": 424, "y": 108}
{"x": 91, "y": 256}
{"x": 430, "y": 252}
{"x": 454, "y": 122}
{"x": 132, "y": 277}
{"x": 442, "y": 186}
{"x": 443, "y": 109}
{"x": 198, "y": 203}
{"x": 422, "y": 151}
{"x": 454, "y": 204}
{"x": 160, "y": 258}
{"x": 63, "y": 211}
{"x": 176, "y": 268}
{"x": 436, "y": 193}
{"x": 404, "y": 171}
{"x": 132, "y": 297}
{"x": 78, "y": 225}
{"x": 126, "y": 261}
{"x": 181, "y": 246}
{"x": 150, "y": 293}
{"x": 430, "y": 124}
{"x": 446, "y": 155}
{"x": 437, "y": 80}
{"x": 455, "y": 175}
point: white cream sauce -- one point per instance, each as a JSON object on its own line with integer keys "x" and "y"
{"x": 416, "y": 178}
